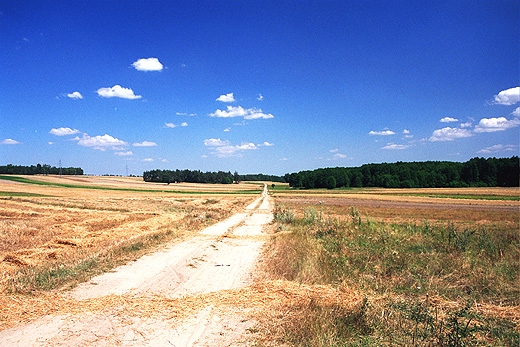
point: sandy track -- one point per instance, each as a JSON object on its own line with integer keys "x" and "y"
{"x": 221, "y": 257}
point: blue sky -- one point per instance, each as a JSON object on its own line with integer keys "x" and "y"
{"x": 256, "y": 86}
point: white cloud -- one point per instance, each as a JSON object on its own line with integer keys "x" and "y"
{"x": 171, "y": 125}
{"x": 449, "y": 134}
{"x": 498, "y": 148}
{"x": 144, "y": 144}
{"x": 267, "y": 144}
{"x": 185, "y": 114}
{"x": 449, "y": 120}
{"x": 466, "y": 125}
{"x": 335, "y": 150}
{"x": 339, "y": 156}
{"x": 215, "y": 143}
{"x": 260, "y": 97}
{"x": 148, "y": 64}
{"x": 516, "y": 112}
{"x": 101, "y": 143}
{"x": 407, "y": 134}
{"x": 118, "y": 92}
{"x": 226, "y": 98}
{"x": 148, "y": 159}
{"x": 395, "y": 146}
{"x": 381, "y": 133}
{"x": 227, "y": 130}
{"x": 75, "y": 95}
{"x": 239, "y": 111}
{"x": 124, "y": 154}
{"x": 9, "y": 142}
{"x": 63, "y": 131}
{"x": 508, "y": 97}
{"x": 225, "y": 149}
{"x": 489, "y": 125}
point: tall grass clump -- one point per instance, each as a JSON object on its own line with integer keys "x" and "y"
{"x": 412, "y": 274}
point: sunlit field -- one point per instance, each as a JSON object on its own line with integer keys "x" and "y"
{"x": 56, "y": 232}
{"x": 436, "y": 267}
{"x": 353, "y": 267}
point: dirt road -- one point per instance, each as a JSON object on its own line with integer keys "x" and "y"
{"x": 127, "y": 302}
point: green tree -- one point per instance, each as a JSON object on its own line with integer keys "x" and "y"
{"x": 331, "y": 182}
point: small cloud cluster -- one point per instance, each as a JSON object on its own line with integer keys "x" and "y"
{"x": 9, "y": 142}
{"x": 224, "y": 148}
{"x": 385, "y": 132}
{"x": 506, "y": 97}
{"x": 144, "y": 144}
{"x": 63, "y": 131}
{"x": 171, "y": 125}
{"x": 148, "y": 64}
{"x": 394, "y": 146}
{"x": 498, "y": 148}
{"x": 337, "y": 155}
{"x": 100, "y": 142}
{"x": 144, "y": 64}
{"x": 118, "y": 92}
{"x": 226, "y": 98}
{"x": 449, "y": 120}
{"x": 391, "y": 145}
{"x": 239, "y": 111}
{"x": 449, "y": 134}
{"x": 75, "y": 95}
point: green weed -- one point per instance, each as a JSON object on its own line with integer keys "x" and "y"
{"x": 458, "y": 264}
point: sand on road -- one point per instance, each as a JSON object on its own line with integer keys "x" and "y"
{"x": 221, "y": 257}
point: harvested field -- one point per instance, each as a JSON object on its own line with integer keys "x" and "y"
{"x": 478, "y": 205}
{"x": 380, "y": 266}
{"x": 42, "y": 227}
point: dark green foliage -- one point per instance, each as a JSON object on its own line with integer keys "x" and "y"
{"x": 196, "y": 176}
{"x": 190, "y": 176}
{"x": 261, "y": 177}
{"x": 477, "y": 172}
{"x": 39, "y": 170}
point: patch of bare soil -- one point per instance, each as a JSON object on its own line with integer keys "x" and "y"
{"x": 189, "y": 294}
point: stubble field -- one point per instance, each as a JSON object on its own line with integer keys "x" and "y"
{"x": 435, "y": 267}
{"x": 362, "y": 267}
{"x": 57, "y": 232}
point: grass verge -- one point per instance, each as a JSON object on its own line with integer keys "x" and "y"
{"x": 424, "y": 284}
{"x": 52, "y": 276}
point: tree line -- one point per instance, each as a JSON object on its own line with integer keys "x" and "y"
{"x": 39, "y": 170}
{"x": 190, "y": 176}
{"x": 261, "y": 177}
{"x": 476, "y": 172}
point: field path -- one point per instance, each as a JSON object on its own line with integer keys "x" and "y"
{"x": 221, "y": 257}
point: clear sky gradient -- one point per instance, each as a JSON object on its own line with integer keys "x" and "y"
{"x": 256, "y": 86}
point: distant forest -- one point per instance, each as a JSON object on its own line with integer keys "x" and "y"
{"x": 190, "y": 176}
{"x": 196, "y": 176}
{"x": 39, "y": 170}
{"x": 476, "y": 172}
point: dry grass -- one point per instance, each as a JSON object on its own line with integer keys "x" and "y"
{"x": 427, "y": 281}
{"x": 52, "y": 237}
